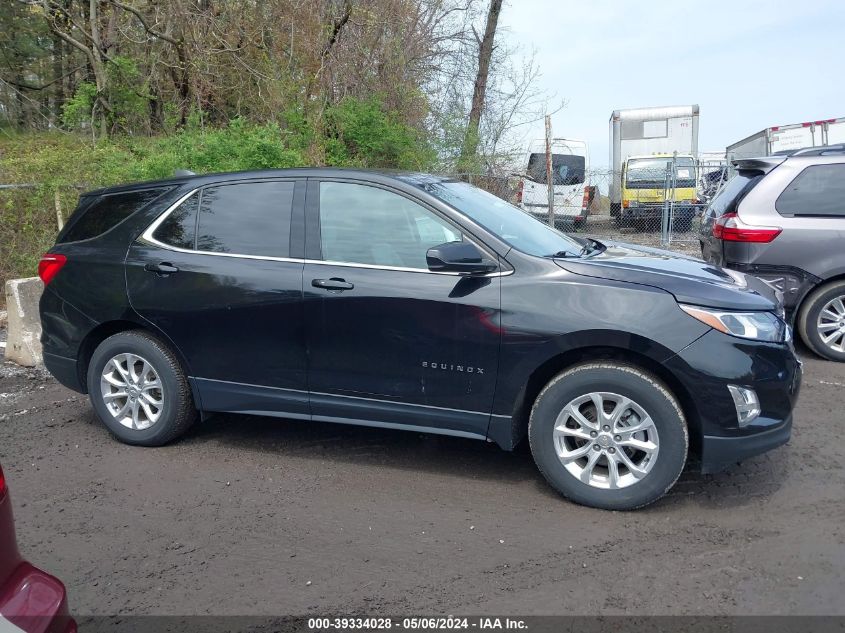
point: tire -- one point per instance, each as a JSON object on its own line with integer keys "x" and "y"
{"x": 667, "y": 436}
{"x": 143, "y": 423}
{"x": 809, "y": 319}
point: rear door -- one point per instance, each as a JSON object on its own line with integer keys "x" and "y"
{"x": 220, "y": 275}
{"x": 390, "y": 342}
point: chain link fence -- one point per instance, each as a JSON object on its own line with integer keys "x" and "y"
{"x": 658, "y": 201}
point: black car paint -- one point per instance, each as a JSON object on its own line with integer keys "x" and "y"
{"x": 255, "y": 335}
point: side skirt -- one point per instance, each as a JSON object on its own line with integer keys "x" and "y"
{"x": 230, "y": 397}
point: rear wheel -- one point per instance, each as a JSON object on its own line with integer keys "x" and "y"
{"x": 139, "y": 389}
{"x": 608, "y": 435}
{"x": 821, "y": 321}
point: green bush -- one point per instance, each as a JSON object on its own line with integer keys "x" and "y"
{"x": 352, "y": 134}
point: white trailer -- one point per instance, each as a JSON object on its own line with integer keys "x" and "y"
{"x": 645, "y": 131}
{"x": 783, "y": 138}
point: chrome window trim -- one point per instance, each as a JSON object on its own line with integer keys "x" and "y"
{"x": 147, "y": 237}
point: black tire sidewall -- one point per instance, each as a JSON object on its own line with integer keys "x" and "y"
{"x": 162, "y": 431}
{"x": 809, "y": 318}
{"x": 625, "y": 381}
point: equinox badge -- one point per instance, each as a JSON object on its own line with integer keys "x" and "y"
{"x": 450, "y": 367}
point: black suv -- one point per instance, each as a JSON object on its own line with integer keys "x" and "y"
{"x": 414, "y": 302}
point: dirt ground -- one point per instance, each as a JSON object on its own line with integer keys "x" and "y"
{"x": 252, "y": 515}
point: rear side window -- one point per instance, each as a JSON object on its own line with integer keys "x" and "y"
{"x": 817, "y": 191}
{"x": 246, "y": 219}
{"x": 179, "y": 229}
{"x": 108, "y": 211}
{"x": 727, "y": 200}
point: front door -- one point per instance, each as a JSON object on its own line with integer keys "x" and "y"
{"x": 390, "y": 342}
{"x": 217, "y": 278}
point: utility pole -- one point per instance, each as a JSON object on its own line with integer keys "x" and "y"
{"x": 549, "y": 179}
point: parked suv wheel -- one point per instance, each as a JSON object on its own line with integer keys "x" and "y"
{"x": 139, "y": 390}
{"x": 821, "y": 321}
{"x": 608, "y": 435}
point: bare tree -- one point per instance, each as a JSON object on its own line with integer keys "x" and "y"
{"x": 485, "y": 53}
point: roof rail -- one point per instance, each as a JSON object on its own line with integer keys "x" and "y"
{"x": 824, "y": 150}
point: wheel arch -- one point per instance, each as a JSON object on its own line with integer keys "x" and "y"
{"x": 559, "y": 363}
{"x": 109, "y": 328}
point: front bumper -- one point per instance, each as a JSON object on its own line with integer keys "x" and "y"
{"x": 707, "y": 366}
{"x": 718, "y": 453}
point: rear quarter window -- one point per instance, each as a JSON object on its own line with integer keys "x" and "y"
{"x": 818, "y": 191}
{"x": 94, "y": 217}
{"x": 727, "y": 200}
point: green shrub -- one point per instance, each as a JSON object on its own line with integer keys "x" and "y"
{"x": 352, "y": 134}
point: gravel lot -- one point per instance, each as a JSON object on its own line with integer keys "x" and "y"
{"x": 253, "y": 515}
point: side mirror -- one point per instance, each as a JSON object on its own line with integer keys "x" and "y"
{"x": 459, "y": 257}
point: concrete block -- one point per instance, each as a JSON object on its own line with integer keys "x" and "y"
{"x": 23, "y": 344}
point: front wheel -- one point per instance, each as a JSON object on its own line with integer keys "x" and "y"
{"x": 608, "y": 435}
{"x": 139, "y": 389}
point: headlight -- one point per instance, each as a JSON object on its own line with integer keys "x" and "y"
{"x": 759, "y": 326}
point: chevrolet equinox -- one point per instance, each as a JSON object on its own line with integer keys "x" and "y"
{"x": 415, "y": 302}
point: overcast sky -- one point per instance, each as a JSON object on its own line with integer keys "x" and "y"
{"x": 749, "y": 64}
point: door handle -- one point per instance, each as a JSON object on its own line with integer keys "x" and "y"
{"x": 163, "y": 268}
{"x": 335, "y": 283}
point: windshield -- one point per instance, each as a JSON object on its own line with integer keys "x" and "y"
{"x": 648, "y": 171}
{"x": 566, "y": 169}
{"x": 508, "y": 222}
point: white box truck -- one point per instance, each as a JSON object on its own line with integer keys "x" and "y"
{"x": 664, "y": 130}
{"x": 783, "y": 138}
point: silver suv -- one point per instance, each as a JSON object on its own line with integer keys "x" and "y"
{"x": 782, "y": 219}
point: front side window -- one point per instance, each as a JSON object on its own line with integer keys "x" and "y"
{"x": 817, "y": 191}
{"x": 246, "y": 219}
{"x": 360, "y": 224}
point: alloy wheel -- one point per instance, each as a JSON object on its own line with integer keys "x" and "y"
{"x": 831, "y": 324}
{"x": 132, "y": 391}
{"x": 606, "y": 440}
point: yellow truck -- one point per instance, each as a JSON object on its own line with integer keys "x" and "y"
{"x": 648, "y": 182}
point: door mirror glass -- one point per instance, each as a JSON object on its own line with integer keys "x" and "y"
{"x": 459, "y": 257}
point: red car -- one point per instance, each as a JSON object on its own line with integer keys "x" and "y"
{"x": 30, "y": 599}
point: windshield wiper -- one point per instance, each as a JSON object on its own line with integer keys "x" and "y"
{"x": 562, "y": 254}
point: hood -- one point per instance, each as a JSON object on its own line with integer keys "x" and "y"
{"x": 690, "y": 280}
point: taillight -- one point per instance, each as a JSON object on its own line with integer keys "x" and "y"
{"x": 519, "y": 189}
{"x": 585, "y": 201}
{"x": 49, "y": 266}
{"x": 2, "y": 483}
{"x": 731, "y": 229}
